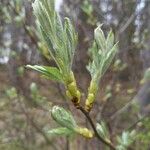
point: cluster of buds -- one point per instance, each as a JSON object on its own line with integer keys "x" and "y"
{"x": 72, "y": 91}
{"x": 66, "y": 120}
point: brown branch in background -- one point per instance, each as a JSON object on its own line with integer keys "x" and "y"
{"x": 139, "y": 120}
{"x": 129, "y": 21}
{"x": 64, "y": 98}
{"x": 25, "y": 26}
{"x": 33, "y": 39}
{"x": 38, "y": 129}
{"x": 109, "y": 144}
{"x": 67, "y": 143}
{"x": 121, "y": 110}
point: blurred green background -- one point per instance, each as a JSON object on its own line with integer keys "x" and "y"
{"x": 26, "y": 98}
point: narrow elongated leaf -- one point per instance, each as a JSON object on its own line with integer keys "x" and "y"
{"x": 102, "y": 130}
{"x": 108, "y": 59}
{"x": 50, "y": 72}
{"x": 62, "y": 131}
{"x": 71, "y": 38}
{"x": 100, "y": 38}
{"x": 110, "y": 40}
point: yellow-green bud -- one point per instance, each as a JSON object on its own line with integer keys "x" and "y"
{"x": 76, "y": 99}
{"x": 78, "y": 94}
{"x": 84, "y": 132}
{"x": 91, "y": 96}
{"x": 93, "y": 88}
{"x": 69, "y": 79}
{"x": 73, "y": 93}
{"x": 72, "y": 88}
{"x": 68, "y": 94}
{"x": 89, "y": 102}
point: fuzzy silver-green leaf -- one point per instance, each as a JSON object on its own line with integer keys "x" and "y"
{"x": 61, "y": 131}
{"x": 102, "y": 51}
{"x": 102, "y": 130}
{"x": 61, "y": 39}
{"x": 63, "y": 118}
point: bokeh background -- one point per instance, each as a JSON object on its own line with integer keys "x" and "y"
{"x": 26, "y": 98}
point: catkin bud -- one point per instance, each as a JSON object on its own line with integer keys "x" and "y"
{"x": 84, "y": 132}
{"x": 93, "y": 87}
{"x": 89, "y": 102}
{"x": 91, "y": 96}
{"x": 78, "y": 95}
{"x": 72, "y": 88}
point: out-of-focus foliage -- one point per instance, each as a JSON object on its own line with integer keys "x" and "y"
{"x": 144, "y": 135}
{"x": 125, "y": 140}
{"x": 88, "y": 9}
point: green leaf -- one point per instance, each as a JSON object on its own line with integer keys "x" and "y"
{"x": 60, "y": 39}
{"x": 100, "y": 38}
{"x": 67, "y": 123}
{"x": 63, "y": 118}
{"x": 110, "y": 40}
{"x": 62, "y": 131}
{"x": 108, "y": 59}
{"x": 102, "y": 130}
{"x": 102, "y": 51}
{"x": 50, "y": 72}
{"x": 71, "y": 38}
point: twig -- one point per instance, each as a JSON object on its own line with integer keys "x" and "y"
{"x": 129, "y": 21}
{"x": 140, "y": 120}
{"x": 121, "y": 110}
{"x": 33, "y": 124}
{"x": 67, "y": 143}
{"x": 109, "y": 144}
